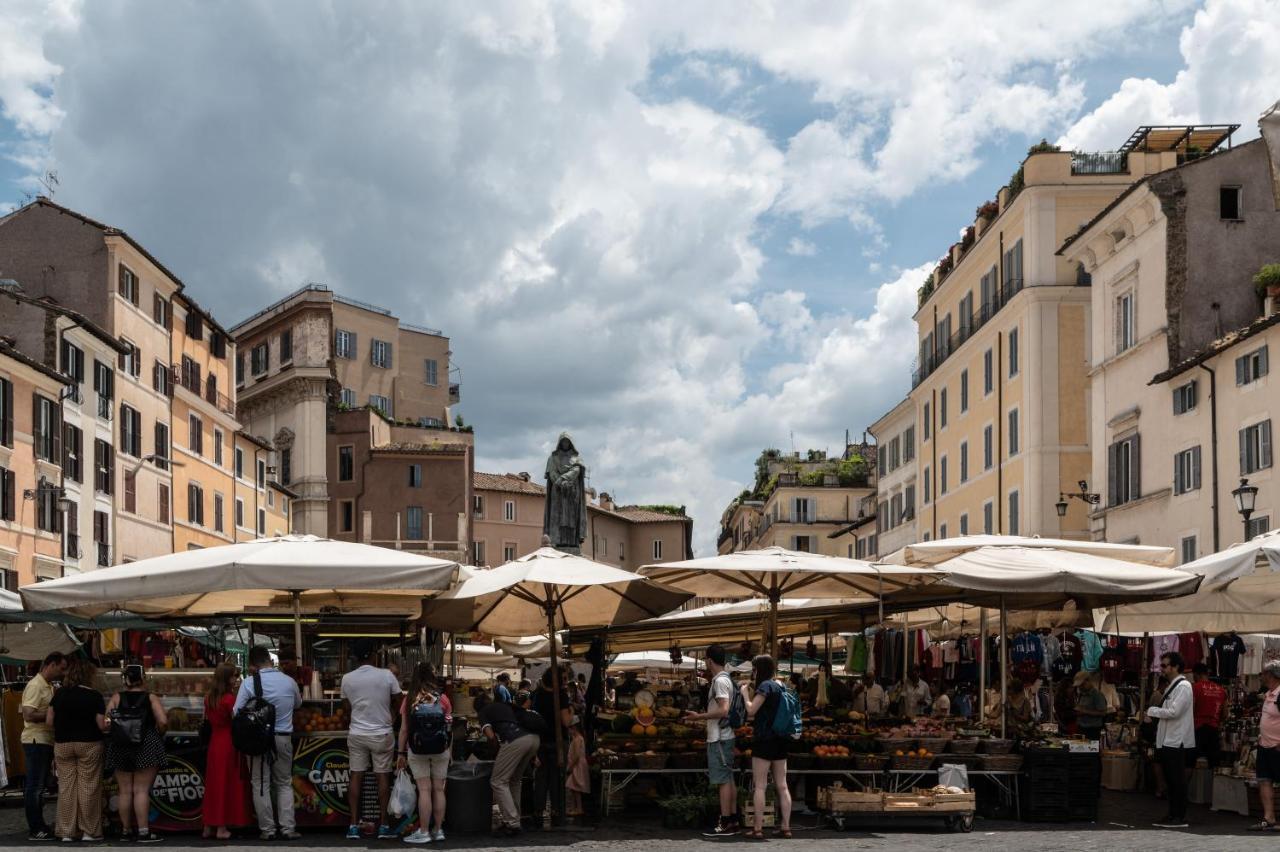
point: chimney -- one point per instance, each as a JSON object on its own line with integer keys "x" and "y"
{"x": 524, "y": 474}
{"x": 1269, "y": 125}
{"x": 606, "y": 501}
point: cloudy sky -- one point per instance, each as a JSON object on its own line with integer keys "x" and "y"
{"x": 684, "y": 232}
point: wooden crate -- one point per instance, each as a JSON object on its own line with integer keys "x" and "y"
{"x": 840, "y": 800}
{"x": 770, "y": 814}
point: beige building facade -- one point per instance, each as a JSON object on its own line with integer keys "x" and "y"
{"x": 897, "y": 487}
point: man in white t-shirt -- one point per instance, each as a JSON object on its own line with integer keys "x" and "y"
{"x": 916, "y": 695}
{"x": 720, "y": 738}
{"x": 370, "y": 693}
{"x": 870, "y": 698}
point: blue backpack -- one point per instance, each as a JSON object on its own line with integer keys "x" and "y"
{"x": 787, "y": 723}
{"x": 428, "y": 729}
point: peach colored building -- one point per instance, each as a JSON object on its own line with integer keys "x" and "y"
{"x": 508, "y": 511}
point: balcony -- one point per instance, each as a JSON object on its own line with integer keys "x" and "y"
{"x": 73, "y": 394}
{"x": 104, "y": 555}
{"x": 104, "y": 407}
{"x": 943, "y": 349}
{"x": 455, "y": 393}
{"x": 1100, "y": 163}
{"x": 208, "y": 392}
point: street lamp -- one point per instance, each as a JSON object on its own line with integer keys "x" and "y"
{"x": 1246, "y": 498}
{"x": 1083, "y": 494}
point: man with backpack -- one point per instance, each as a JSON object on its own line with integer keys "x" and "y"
{"x": 516, "y": 750}
{"x": 262, "y": 729}
{"x": 370, "y": 693}
{"x": 725, "y": 712}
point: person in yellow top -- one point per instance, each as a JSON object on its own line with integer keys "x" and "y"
{"x": 37, "y": 741}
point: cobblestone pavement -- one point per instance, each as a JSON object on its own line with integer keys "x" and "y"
{"x": 1124, "y": 823}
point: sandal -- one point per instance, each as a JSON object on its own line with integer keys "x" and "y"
{"x": 1263, "y": 826}
{"x": 755, "y": 835}
{"x": 784, "y": 833}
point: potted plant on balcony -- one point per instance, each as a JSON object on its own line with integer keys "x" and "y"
{"x": 1268, "y": 282}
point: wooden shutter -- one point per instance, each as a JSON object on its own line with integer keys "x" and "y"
{"x": 6, "y": 424}
{"x": 1240, "y": 369}
{"x": 1113, "y": 453}
{"x": 1264, "y": 439}
{"x": 1135, "y": 467}
{"x": 1195, "y": 467}
{"x": 6, "y": 494}
{"x": 353, "y": 349}
{"x": 130, "y": 492}
{"x": 164, "y": 503}
{"x": 121, "y": 277}
{"x": 1263, "y": 367}
{"x": 1244, "y": 451}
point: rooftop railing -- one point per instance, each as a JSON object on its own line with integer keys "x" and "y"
{"x": 969, "y": 326}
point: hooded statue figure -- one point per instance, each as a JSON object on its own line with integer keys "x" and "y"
{"x": 565, "y": 518}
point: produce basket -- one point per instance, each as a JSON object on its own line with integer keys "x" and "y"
{"x": 1002, "y": 762}
{"x": 934, "y": 744}
{"x": 687, "y": 760}
{"x": 965, "y": 746}
{"x": 914, "y": 764}
{"x": 800, "y": 760}
{"x": 997, "y": 746}
{"x": 844, "y": 762}
{"x": 870, "y": 762}
{"x": 650, "y": 762}
{"x": 971, "y": 761}
{"x": 889, "y": 746}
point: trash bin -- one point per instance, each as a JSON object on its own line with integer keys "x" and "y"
{"x": 470, "y": 798}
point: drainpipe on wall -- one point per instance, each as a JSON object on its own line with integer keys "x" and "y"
{"x": 1213, "y": 449}
{"x": 933, "y": 450}
{"x": 996, "y": 369}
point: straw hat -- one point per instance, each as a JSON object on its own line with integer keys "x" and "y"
{"x": 1081, "y": 678}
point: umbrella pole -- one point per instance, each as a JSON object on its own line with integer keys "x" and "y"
{"x": 297, "y": 625}
{"x": 773, "y": 625}
{"x": 555, "y": 723}
{"x": 1004, "y": 667}
{"x": 982, "y": 665}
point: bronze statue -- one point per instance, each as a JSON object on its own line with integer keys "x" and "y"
{"x": 564, "y": 520}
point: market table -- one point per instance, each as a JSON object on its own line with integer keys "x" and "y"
{"x": 1006, "y": 781}
{"x": 615, "y": 780}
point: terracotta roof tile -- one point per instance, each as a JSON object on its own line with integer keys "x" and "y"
{"x": 638, "y": 515}
{"x": 505, "y": 482}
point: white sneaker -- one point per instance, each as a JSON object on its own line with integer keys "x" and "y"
{"x": 438, "y": 835}
{"x": 419, "y": 836}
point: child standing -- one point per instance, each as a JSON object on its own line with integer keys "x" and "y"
{"x": 578, "y": 779}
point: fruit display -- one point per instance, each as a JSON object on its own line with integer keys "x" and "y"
{"x": 317, "y": 720}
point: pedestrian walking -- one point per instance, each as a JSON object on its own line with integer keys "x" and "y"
{"x": 1268, "y": 763}
{"x": 578, "y": 781}
{"x": 426, "y": 734}
{"x": 226, "y": 801}
{"x": 370, "y": 693}
{"x": 720, "y": 735}
{"x": 516, "y": 750}
{"x": 547, "y": 784}
{"x": 135, "y": 751}
{"x": 1175, "y": 738}
{"x": 768, "y": 749}
{"x": 78, "y": 715}
{"x": 37, "y": 742}
{"x": 271, "y": 774}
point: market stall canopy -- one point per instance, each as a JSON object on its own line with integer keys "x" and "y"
{"x": 926, "y": 553}
{"x": 1240, "y": 591}
{"x": 254, "y": 576}
{"x": 951, "y": 621}
{"x": 485, "y": 657}
{"x": 640, "y": 660}
{"x": 23, "y": 641}
{"x": 1040, "y": 578}
{"x": 549, "y": 588}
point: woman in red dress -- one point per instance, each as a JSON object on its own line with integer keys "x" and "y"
{"x": 226, "y": 799}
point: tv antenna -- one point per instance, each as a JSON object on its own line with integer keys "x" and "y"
{"x": 49, "y": 182}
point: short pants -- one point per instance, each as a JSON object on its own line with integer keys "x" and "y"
{"x": 429, "y": 765}
{"x": 1269, "y": 764}
{"x": 720, "y": 761}
{"x": 371, "y": 752}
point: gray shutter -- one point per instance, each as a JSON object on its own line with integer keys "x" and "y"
{"x": 1262, "y": 361}
{"x": 1240, "y": 368}
{"x": 1135, "y": 468}
{"x": 1264, "y": 429}
{"x": 355, "y": 347}
{"x": 1244, "y": 451}
{"x": 1112, "y": 451}
{"x": 1195, "y": 467}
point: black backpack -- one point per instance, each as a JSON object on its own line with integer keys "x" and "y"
{"x": 428, "y": 728}
{"x": 253, "y": 729}
{"x": 129, "y": 719}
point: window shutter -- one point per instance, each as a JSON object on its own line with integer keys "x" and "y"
{"x": 36, "y": 432}
{"x": 391, "y": 359}
{"x": 1244, "y": 451}
{"x": 1135, "y": 467}
{"x": 120, "y": 279}
{"x": 1112, "y": 452}
{"x": 6, "y": 427}
{"x": 1263, "y": 368}
{"x": 6, "y": 494}
{"x": 1264, "y": 434}
{"x": 1240, "y": 369}
{"x": 354, "y": 347}
{"x": 1195, "y": 467}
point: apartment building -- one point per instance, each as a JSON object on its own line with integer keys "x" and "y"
{"x": 508, "y": 510}
{"x": 402, "y": 486}
{"x": 261, "y": 505}
{"x": 1000, "y": 391}
{"x": 1180, "y": 358}
{"x": 897, "y": 489}
{"x": 31, "y": 497}
{"x": 738, "y": 523}
{"x": 313, "y": 350}
{"x": 54, "y": 252}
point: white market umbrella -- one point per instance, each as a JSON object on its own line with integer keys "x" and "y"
{"x": 299, "y": 572}
{"x": 549, "y": 590}
{"x": 774, "y": 573}
{"x": 1240, "y": 591}
{"x": 925, "y": 553}
{"x": 23, "y": 641}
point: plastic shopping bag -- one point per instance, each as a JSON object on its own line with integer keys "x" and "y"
{"x": 954, "y": 775}
{"x": 404, "y": 797}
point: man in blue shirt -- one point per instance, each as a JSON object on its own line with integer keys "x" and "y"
{"x": 272, "y": 775}
{"x": 502, "y": 689}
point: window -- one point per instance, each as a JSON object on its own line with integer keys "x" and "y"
{"x": 161, "y": 456}
{"x": 942, "y": 409}
{"x": 48, "y": 518}
{"x": 988, "y": 511}
{"x": 925, "y": 423}
{"x": 1123, "y": 468}
{"x": 195, "y": 434}
{"x": 1186, "y": 471}
{"x": 380, "y": 353}
{"x": 988, "y": 372}
{"x": 1125, "y": 334}
{"x": 195, "y": 504}
{"x": 161, "y": 380}
{"x": 622, "y": 551}
{"x": 1013, "y": 513}
{"x": 73, "y": 363}
{"x": 477, "y": 505}
{"x": 909, "y": 444}
{"x": 509, "y": 510}
{"x": 286, "y": 466}
{"x": 344, "y": 344}
{"x": 928, "y": 486}
{"x": 130, "y": 432}
{"x": 104, "y": 382}
{"x": 190, "y": 375}
{"x": 802, "y": 510}
{"x": 346, "y": 464}
{"x": 239, "y": 368}
{"x": 381, "y": 403}
{"x": 964, "y": 391}
{"x": 262, "y": 522}
{"x": 348, "y": 398}
{"x": 657, "y": 548}
{"x": 432, "y": 371}
{"x": 884, "y": 517}
{"x": 508, "y": 552}
{"x": 477, "y": 553}
{"x": 988, "y": 446}
{"x": 1188, "y": 549}
{"x": 942, "y": 530}
{"x": 1257, "y": 526}
{"x": 909, "y": 503}
{"x": 262, "y": 474}
{"x": 989, "y": 293}
{"x": 413, "y": 522}
{"x": 882, "y": 459}
{"x": 258, "y": 359}
{"x": 217, "y": 513}
{"x": 6, "y": 413}
{"x": 72, "y": 452}
{"x": 1229, "y": 202}
{"x": 103, "y": 466}
{"x": 286, "y": 346}
{"x": 966, "y": 314}
{"x": 942, "y": 475}
{"x": 217, "y": 447}
{"x": 1013, "y": 432}
{"x": 1255, "y": 447}
{"x": 1184, "y": 398}
{"x": 239, "y": 458}
{"x": 162, "y": 501}
{"x": 1013, "y": 269}
{"x": 127, "y": 284}
{"x": 239, "y": 520}
{"x": 102, "y": 537}
{"x": 895, "y": 453}
{"x": 1013, "y": 352}
{"x": 964, "y": 461}
{"x": 46, "y": 429}
{"x": 271, "y": 499}
{"x": 130, "y": 360}
{"x": 1251, "y": 367}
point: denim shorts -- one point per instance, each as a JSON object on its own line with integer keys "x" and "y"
{"x": 720, "y": 761}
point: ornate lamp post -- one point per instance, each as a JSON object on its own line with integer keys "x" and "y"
{"x": 1246, "y": 498}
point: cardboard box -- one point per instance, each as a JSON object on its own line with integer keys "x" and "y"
{"x": 1119, "y": 773}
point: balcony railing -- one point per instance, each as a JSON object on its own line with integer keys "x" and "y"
{"x": 73, "y": 394}
{"x": 455, "y": 393}
{"x": 1100, "y": 163}
{"x": 104, "y": 407}
{"x": 104, "y": 555}
{"x": 943, "y": 349}
{"x": 71, "y": 550}
{"x": 208, "y": 392}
